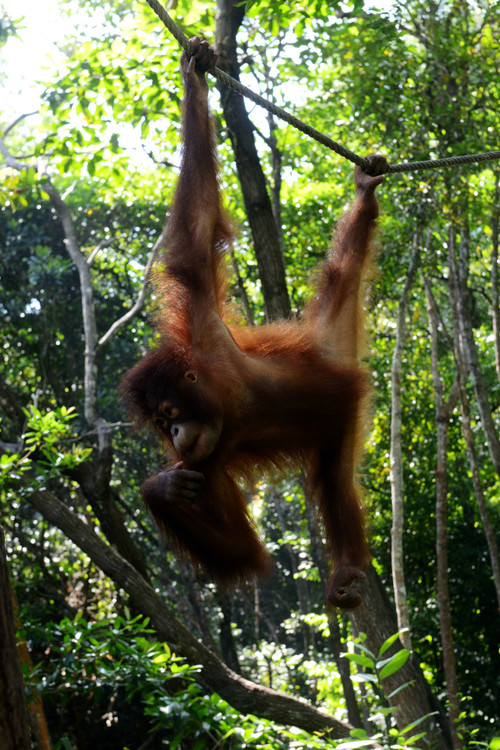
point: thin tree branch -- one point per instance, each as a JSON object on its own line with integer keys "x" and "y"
{"x": 396, "y": 457}
{"x": 121, "y": 322}
{"x": 100, "y": 246}
{"x": 17, "y": 120}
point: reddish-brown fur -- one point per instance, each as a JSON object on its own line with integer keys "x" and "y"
{"x": 247, "y": 399}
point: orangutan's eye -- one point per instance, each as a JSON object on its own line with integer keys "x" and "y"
{"x": 168, "y": 411}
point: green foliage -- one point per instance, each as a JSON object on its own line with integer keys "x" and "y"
{"x": 372, "y": 670}
{"x": 8, "y": 26}
{"x": 494, "y": 744}
{"x": 49, "y": 449}
{"x": 46, "y": 432}
{"x": 116, "y": 661}
{"x": 381, "y": 668}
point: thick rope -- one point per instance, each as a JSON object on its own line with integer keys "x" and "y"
{"x": 449, "y": 161}
{"x": 232, "y": 83}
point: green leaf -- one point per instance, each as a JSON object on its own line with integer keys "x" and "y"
{"x": 161, "y": 659}
{"x": 400, "y": 688}
{"x": 359, "y": 734}
{"x": 418, "y": 721}
{"x": 388, "y": 643}
{"x": 361, "y": 659}
{"x": 362, "y": 677}
{"x": 394, "y": 663}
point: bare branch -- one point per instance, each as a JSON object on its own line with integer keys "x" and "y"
{"x": 100, "y": 246}
{"x": 17, "y": 120}
{"x": 68, "y": 191}
{"x": 121, "y": 322}
{"x": 86, "y": 287}
{"x": 13, "y": 162}
{"x": 87, "y": 296}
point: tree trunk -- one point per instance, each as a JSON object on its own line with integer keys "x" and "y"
{"x": 36, "y": 714}
{"x": 495, "y": 302}
{"x": 94, "y": 478}
{"x": 460, "y": 273}
{"x": 443, "y": 415}
{"x": 462, "y": 375}
{"x": 343, "y": 665}
{"x": 300, "y": 584}
{"x": 227, "y": 643}
{"x": 376, "y": 618}
{"x": 268, "y": 252}
{"x": 14, "y": 732}
{"x": 397, "y": 479}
